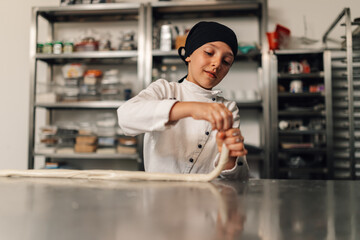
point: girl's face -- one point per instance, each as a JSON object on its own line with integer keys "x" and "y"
{"x": 209, "y": 64}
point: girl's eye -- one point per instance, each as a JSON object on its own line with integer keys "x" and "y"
{"x": 208, "y": 53}
{"x": 226, "y": 62}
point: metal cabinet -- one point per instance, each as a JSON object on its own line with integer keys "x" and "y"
{"x": 300, "y": 115}
{"x": 46, "y": 64}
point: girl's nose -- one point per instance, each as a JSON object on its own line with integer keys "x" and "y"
{"x": 216, "y": 62}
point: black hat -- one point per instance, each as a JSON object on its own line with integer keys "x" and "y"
{"x": 204, "y": 32}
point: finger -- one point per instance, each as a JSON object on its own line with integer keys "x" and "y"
{"x": 236, "y": 147}
{"x": 228, "y": 119}
{"x": 233, "y": 140}
{"x": 237, "y": 153}
{"x": 218, "y": 120}
{"x": 233, "y": 132}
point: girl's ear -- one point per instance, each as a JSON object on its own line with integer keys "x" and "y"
{"x": 187, "y": 59}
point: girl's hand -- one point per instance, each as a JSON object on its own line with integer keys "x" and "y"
{"x": 216, "y": 113}
{"x": 234, "y": 142}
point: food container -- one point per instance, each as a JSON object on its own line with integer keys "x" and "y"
{"x": 73, "y": 70}
{"x": 125, "y": 149}
{"x": 92, "y": 76}
{"x": 39, "y": 47}
{"x": 106, "y": 141}
{"x": 86, "y": 45}
{"x": 58, "y": 47}
{"x": 83, "y": 148}
{"x": 68, "y": 47}
{"x": 48, "y": 48}
{"x": 86, "y": 139}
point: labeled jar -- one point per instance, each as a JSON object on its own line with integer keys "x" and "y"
{"x": 57, "y": 48}
{"x": 68, "y": 47}
{"x": 39, "y": 47}
{"x": 48, "y": 48}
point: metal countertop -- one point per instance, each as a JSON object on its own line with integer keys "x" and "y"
{"x": 259, "y": 209}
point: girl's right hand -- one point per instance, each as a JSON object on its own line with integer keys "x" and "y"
{"x": 216, "y": 113}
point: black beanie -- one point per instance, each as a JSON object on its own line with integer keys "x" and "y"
{"x": 205, "y": 32}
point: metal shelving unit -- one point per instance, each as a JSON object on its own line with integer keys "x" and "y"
{"x": 344, "y": 73}
{"x": 198, "y": 10}
{"x": 75, "y": 14}
{"x": 299, "y": 150}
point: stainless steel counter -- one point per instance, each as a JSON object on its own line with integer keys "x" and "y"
{"x": 260, "y": 209}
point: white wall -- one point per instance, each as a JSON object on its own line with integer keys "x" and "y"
{"x": 14, "y": 62}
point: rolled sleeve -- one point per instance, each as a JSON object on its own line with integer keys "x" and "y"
{"x": 239, "y": 172}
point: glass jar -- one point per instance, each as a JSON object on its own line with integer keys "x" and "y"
{"x": 39, "y": 48}
{"x": 68, "y": 47}
{"x": 57, "y": 48}
{"x": 48, "y": 48}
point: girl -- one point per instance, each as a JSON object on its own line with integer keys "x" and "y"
{"x": 186, "y": 122}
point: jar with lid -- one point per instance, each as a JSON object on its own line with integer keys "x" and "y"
{"x": 48, "y": 48}
{"x": 68, "y": 47}
{"x": 57, "y": 48}
{"x": 39, "y": 47}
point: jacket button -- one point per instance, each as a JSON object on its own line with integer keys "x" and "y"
{"x": 207, "y": 133}
{"x": 240, "y": 163}
{"x": 213, "y": 99}
{"x": 191, "y": 160}
{"x": 199, "y": 146}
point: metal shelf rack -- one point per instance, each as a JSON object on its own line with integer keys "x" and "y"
{"x": 344, "y": 75}
{"x": 74, "y": 14}
{"x": 198, "y": 10}
{"x": 299, "y": 107}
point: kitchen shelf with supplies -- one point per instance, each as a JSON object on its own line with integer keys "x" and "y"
{"x": 300, "y": 115}
{"x": 344, "y": 73}
{"x": 76, "y": 81}
{"x": 167, "y": 25}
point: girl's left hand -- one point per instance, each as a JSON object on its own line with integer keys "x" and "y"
{"x": 234, "y": 142}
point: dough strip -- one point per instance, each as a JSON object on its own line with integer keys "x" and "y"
{"x": 121, "y": 175}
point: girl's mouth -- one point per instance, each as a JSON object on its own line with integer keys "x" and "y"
{"x": 210, "y": 74}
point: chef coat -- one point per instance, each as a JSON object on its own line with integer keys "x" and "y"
{"x": 185, "y": 146}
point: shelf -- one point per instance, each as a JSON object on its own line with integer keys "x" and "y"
{"x": 255, "y": 104}
{"x": 305, "y": 94}
{"x": 298, "y": 51}
{"x": 300, "y": 75}
{"x": 303, "y": 150}
{"x": 100, "y": 56}
{"x": 82, "y": 105}
{"x": 201, "y": 9}
{"x": 87, "y": 156}
{"x": 299, "y": 132}
{"x": 252, "y": 55}
{"x": 302, "y": 113}
{"x": 304, "y": 170}
{"x": 90, "y": 12}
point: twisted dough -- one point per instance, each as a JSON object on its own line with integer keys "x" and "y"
{"x": 121, "y": 175}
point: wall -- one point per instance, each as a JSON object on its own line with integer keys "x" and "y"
{"x": 14, "y": 64}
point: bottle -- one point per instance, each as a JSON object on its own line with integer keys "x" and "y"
{"x": 165, "y": 38}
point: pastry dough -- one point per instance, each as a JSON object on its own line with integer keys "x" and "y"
{"x": 121, "y": 175}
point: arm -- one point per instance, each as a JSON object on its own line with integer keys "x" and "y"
{"x": 148, "y": 111}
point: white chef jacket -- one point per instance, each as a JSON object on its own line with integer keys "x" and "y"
{"x": 186, "y": 146}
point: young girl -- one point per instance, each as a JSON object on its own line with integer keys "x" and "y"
{"x": 186, "y": 122}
